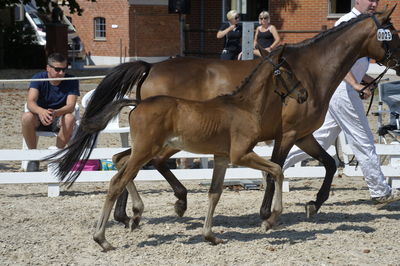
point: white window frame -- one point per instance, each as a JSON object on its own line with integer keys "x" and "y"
{"x": 337, "y": 15}
{"x": 97, "y": 29}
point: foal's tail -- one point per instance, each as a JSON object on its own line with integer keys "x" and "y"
{"x": 84, "y": 141}
{"x": 100, "y": 110}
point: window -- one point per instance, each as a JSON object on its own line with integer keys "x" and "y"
{"x": 340, "y": 7}
{"x": 248, "y": 9}
{"x": 99, "y": 28}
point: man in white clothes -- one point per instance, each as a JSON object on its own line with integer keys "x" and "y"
{"x": 346, "y": 112}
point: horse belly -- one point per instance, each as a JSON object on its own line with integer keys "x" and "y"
{"x": 201, "y": 146}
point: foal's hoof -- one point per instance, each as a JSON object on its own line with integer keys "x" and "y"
{"x": 104, "y": 244}
{"x": 180, "y": 207}
{"x": 266, "y": 225}
{"x": 214, "y": 240}
{"x": 135, "y": 222}
{"x": 311, "y": 209}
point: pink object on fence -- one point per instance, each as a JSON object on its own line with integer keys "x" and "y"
{"x": 91, "y": 165}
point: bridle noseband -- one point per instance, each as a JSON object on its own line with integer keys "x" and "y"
{"x": 389, "y": 51}
{"x": 278, "y": 75}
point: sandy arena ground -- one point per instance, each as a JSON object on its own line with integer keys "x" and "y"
{"x": 37, "y": 230}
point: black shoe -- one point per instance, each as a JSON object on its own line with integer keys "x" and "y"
{"x": 33, "y": 166}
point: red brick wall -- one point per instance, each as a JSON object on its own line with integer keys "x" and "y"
{"x": 142, "y": 30}
{"x": 153, "y": 32}
{"x": 115, "y": 12}
{"x": 309, "y": 16}
{"x": 150, "y": 31}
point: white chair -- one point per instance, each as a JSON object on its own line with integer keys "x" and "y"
{"x": 113, "y": 126}
{"x": 24, "y": 164}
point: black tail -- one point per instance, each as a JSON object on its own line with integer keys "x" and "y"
{"x": 100, "y": 110}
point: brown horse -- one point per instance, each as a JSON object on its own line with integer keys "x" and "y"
{"x": 227, "y": 126}
{"x": 320, "y": 64}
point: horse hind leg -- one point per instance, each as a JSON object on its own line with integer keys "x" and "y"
{"x": 120, "y": 215}
{"x": 117, "y": 185}
{"x": 180, "y": 190}
{"x": 137, "y": 205}
{"x": 214, "y": 194}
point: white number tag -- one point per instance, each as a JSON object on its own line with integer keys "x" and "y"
{"x": 384, "y": 35}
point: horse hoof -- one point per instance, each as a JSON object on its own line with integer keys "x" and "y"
{"x": 108, "y": 247}
{"x": 311, "y": 209}
{"x": 135, "y": 223}
{"x": 266, "y": 225}
{"x": 214, "y": 240}
{"x": 180, "y": 207}
{"x": 104, "y": 244}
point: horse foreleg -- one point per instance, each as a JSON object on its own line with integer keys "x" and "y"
{"x": 214, "y": 194}
{"x": 251, "y": 159}
{"x": 120, "y": 215}
{"x": 137, "y": 205}
{"x": 117, "y": 185}
{"x": 281, "y": 149}
{"x": 310, "y": 145}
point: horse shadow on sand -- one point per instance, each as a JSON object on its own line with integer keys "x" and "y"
{"x": 280, "y": 234}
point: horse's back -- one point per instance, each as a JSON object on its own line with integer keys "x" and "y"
{"x": 195, "y": 78}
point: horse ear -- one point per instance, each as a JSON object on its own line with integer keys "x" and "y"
{"x": 262, "y": 51}
{"x": 282, "y": 50}
{"x": 388, "y": 11}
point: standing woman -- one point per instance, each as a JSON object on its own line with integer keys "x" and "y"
{"x": 266, "y": 34}
{"x": 232, "y": 32}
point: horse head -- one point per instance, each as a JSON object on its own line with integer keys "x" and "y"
{"x": 385, "y": 43}
{"x": 286, "y": 82}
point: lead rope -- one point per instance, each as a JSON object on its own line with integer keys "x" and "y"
{"x": 374, "y": 82}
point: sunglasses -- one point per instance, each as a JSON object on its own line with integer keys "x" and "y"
{"x": 237, "y": 17}
{"x": 263, "y": 18}
{"x": 58, "y": 69}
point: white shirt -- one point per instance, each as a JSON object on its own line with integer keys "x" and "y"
{"x": 360, "y": 67}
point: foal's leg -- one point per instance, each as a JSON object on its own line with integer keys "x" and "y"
{"x": 314, "y": 149}
{"x": 251, "y": 159}
{"x": 160, "y": 163}
{"x": 145, "y": 152}
{"x": 120, "y": 215}
{"x": 279, "y": 154}
{"x": 117, "y": 185}
{"x": 214, "y": 194}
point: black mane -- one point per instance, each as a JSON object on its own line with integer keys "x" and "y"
{"x": 333, "y": 30}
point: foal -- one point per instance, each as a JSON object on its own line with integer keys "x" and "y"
{"x": 228, "y": 126}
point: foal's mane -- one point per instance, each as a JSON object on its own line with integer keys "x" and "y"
{"x": 249, "y": 77}
{"x": 331, "y": 31}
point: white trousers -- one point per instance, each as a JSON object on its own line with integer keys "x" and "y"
{"x": 346, "y": 112}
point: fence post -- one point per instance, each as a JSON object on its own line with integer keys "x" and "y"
{"x": 247, "y": 40}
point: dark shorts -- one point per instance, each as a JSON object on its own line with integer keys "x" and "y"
{"x": 54, "y": 127}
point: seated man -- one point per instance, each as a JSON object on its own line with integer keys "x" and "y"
{"x": 51, "y": 105}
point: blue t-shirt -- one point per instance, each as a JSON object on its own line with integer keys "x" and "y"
{"x": 51, "y": 96}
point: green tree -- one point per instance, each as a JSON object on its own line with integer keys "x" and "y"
{"x": 44, "y": 5}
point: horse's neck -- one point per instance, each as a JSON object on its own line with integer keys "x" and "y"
{"x": 321, "y": 66}
{"x": 253, "y": 94}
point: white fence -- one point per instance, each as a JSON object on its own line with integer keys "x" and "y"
{"x": 148, "y": 175}
{"x": 392, "y": 170}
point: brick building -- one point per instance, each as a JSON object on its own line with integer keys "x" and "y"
{"x": 115, "y": 31}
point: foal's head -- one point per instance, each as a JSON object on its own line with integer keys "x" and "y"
{"x": 285, "y": 81}
{"x": 385, "y": 43}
